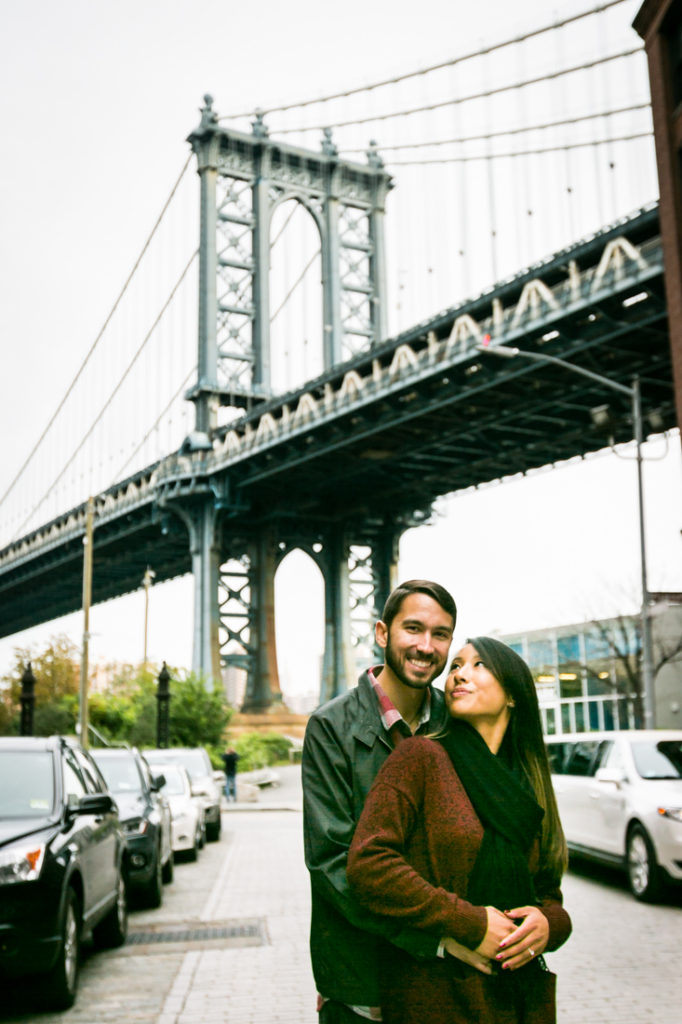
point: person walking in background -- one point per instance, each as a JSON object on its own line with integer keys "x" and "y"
{"x": 230, "y": 758}
{"x": 346, "y": 742}
{"x": 460, "y": 836}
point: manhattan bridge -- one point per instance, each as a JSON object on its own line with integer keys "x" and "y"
{"x": 347, "y": 260}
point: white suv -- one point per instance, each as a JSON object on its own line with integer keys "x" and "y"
{"x": 620, "y": 801}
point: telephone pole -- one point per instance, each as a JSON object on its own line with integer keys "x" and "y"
{"x": 87, "y": 596}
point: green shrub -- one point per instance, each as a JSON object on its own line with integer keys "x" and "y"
{"x": 261, "y": 749}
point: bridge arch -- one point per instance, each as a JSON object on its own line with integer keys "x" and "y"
{"x": 296, "y": 296}
{"x": 300, "y": 625}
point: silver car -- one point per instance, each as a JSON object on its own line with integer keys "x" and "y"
{"x": 204, "y": 780}
{"x": 620, "y": 802}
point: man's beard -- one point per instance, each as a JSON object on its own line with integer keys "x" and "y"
{"x": 398, "y": 670}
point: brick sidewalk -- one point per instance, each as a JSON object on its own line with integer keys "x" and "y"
{"x": 262, "y": 876}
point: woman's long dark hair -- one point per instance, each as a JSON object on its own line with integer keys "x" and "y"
{"x": 525, "y": 741}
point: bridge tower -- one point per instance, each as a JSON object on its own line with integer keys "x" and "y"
{"x": 244, "y": 178}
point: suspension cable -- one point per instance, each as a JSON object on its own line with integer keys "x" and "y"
{"x": 113, "y": 394}
{"x": 521, "y": 152}
{"x": 295, "y": 285}
{"x": 425, "y": 71}
{"x": 281, "y": 231}
{"x": 153, "y": 427}
{"x": 91, "y": 351}
{"x": 505, "y": 131}
{"x": 463, "y": 99}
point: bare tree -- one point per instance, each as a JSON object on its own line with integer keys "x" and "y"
{"x": 622, "y": 636}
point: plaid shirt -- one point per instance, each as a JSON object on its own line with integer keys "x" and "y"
{"x": 391, "y": 719}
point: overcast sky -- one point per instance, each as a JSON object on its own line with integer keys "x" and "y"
{"x": 96, "y": 101}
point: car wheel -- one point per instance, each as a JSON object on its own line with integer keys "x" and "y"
{"x": 643, "y": 871}
{"x": 154, "y": 891}
{"x": 193, "y": 852}
{"x": 61, "y": 983}
{"x": 202, "y": 836}
{"x": 112, "y": 930}
{"x": 213, "y": 830}
{"x": 168, "y": 869}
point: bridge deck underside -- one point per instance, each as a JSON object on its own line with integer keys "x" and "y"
{"x": 479, "y": 421}
{"x": 475, "y": 420}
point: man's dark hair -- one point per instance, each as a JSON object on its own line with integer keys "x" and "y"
{"x": 439, "y": 594}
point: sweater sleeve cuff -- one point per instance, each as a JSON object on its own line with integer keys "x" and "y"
{"x": 470, "y": 924}
{"x": 559, "y": 925}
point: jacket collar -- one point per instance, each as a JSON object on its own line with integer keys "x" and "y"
{"x": 368, "y": 727}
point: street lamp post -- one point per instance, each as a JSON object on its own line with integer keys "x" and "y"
{"x": 633, "y": 393}
{"x": 146, "y": 583}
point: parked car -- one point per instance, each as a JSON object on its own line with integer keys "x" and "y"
{"x": 620, "y": 802}
{"x": 187, "y": 812}
{"x": 205, "y": 781}
{"x": 146, "y": 820}
{"x": 61, "y": 863}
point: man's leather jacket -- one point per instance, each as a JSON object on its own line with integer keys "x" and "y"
{"x": 345, "y": 745}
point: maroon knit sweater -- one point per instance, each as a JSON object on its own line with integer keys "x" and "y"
{"x": 411, "y": 857}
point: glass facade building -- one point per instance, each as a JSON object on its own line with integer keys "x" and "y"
{"x": 582, "y": 683}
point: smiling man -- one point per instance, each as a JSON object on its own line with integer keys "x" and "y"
{"x": 347, "y": 740}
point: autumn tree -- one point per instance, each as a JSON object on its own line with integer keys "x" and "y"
{"x": 125, "y": 711}
{"x": 57, "y": 678}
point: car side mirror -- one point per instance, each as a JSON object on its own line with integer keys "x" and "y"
{"x": 94, "y": 803}
{"x": 158, "y": 782}
{"x": 613, "y": 775}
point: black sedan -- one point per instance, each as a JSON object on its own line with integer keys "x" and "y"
{"x": 61, "y": 863}
{"x": 145, "y": 817}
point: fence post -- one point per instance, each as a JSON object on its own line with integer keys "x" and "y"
{"x": 163, "y": 697}
{"x": 28, "y": 699}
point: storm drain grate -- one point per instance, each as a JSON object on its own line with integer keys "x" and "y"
{"x": 248, "y": 930}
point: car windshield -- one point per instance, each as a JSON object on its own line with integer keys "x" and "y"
{"x": 120, "y": 773}
{"x": 26, "y": 783}
{"x": 195, "y": 764}
{"x": 662, "y": 760}
{"x": 175, "y": 783}
{"x": 193, "y": 761}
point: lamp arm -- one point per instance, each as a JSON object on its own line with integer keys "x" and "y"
{"x": 542, "y": 357}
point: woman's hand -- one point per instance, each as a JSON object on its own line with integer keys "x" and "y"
{"x": 527, "y": 941}
{"x": 468, "y": 956}
{"x": 499, "y": 928}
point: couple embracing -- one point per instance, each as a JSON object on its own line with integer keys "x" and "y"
{"x": 431, "y": 833}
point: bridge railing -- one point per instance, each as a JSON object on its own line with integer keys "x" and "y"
{"x": 622, "y": 266}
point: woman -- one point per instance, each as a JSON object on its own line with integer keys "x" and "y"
{"x": 460, "y": 836}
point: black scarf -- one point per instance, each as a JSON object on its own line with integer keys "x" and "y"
{"x": 509, "y": 813}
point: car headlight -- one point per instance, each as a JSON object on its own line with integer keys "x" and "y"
{"x": 21, "y": 863}
{"x": 135, "y": 826}
{"x": 671, "y": 812}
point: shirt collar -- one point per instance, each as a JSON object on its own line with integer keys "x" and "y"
{"x": 387, "y": 709}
